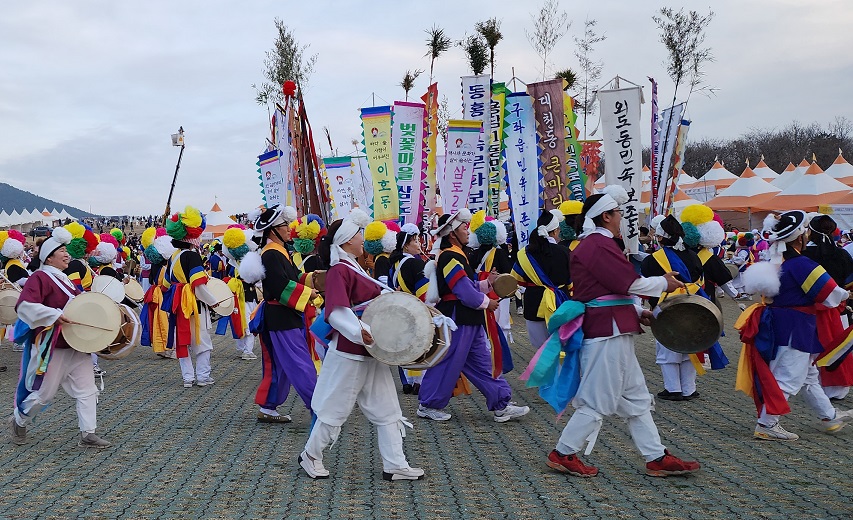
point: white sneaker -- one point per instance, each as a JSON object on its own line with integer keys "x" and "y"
{"x": 314, "y": 468}
{"x": 832, "y": 426}
{"x": 98, "y": 371}
{"x": 188, "y": 384}
{"x": 205, "y": 382}
{"x": 520, "y": 311}
{"x": 432, "y": 413}
{"x": 844, "y": 415}
{"x": 511, "y": 412}
{"x": 403, "y": 474}
{"x": 774, "y": 433}
{"x": 17, "y": 348}
{"x": 248, "y": 356}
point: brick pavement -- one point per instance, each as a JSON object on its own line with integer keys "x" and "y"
{"x": 199, "y": 453}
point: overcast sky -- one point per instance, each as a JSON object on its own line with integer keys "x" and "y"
{"x": 91, "y": 90}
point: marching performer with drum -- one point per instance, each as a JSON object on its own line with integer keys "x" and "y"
{"x": 487, "y": 239}
{"x": 236, "y": 244}
{"x": 461, "y": 298}
{"x": 350, "y": 375}
{"x": 48, "y": 361}
{"x": 188, "y": 300}
{"x": 155, "y": 321}
{"x": 278, "y": 322}
{"x": 12, "y": 253}
{"x": 611, "y": 381}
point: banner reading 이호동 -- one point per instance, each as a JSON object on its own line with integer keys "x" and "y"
{"x": 522, "y": 164}
{"x": 409, "y": 154}
{"x": 376, "y": 128}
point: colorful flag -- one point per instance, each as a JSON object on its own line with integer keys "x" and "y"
{"x": 496, "y": 146}
{"x": 677, "y": 160}
{"x": 522, "y": 164}
{"x": 590, "y": 157}
{"x": 655, "y": 148}
{"x": 670, "y": 120}
{"x": 429, "y": 180}
{"x": 623, "y": 153}
{"x": 408, "y": 136}
{"x": 270, "y": 175}
{"x": 463, "y": 138}
{"x": 341, "y": 184}
{"x": 376, "y": 128}
{"x": 476, "y": 105}
{"x": 575, "y": 176}
{"x": 549, "y": 113}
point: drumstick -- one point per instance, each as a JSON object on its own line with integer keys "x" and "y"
{"x": 88, "y": 325}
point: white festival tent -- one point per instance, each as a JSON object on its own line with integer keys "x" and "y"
{"x": 718, "y": 176}
{"x": 811, "y": 190}
{"x": 841, "y": 170}
{"x": 746, "y": 193}
{"x": 789, "y": 177}
{"x": 765, "y": 172}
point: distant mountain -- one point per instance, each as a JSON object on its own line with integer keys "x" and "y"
{"x": 11, "y": 198}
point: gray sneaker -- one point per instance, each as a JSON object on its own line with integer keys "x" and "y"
{"x": 403, "y": 474}
{"x": 432, "y": 413}
{"x": 204, "y": 382}
{"x": 90, "y": 440}
{"x": 511, "y": 411}
{"x": 774, "y": 433}
{"x": 17, "y": 434}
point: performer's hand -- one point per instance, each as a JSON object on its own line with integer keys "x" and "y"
{"x": 493, "y": 304}
{"x": 314, "y": 295}
{"x": 62, "y": 319}
{"x": 493, "y": 275}
{"x": 366, "y": 338}
{"x": 646, "y": 317}
{"x": 672, "y": 282}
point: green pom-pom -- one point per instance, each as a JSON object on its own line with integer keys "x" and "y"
{"x": 175, "y": 230}
{"x": 487, "y": 234}
{"x": 239, "y": 252}
{"x": 303, "y": 245}
{"x": 153, "y": 255}
{"x": 566, "y": 231}
{"x": 691, "y": 234}
{"x": 77, "y": 247}
{"x": 374, "y": 247}
{"x": 93, "y": 262}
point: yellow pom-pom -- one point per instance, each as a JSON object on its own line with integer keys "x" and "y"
{"x": 308, "y": 230}
{"x": 477, "y": 220}
{"x": 148, "y": 237}
{"x": 293, "y": 225}
{"x": 76, "y": 229}
{"x": 3, "y": 236}
{"x": 233, "y": 238}
{"x": 191, "y": 217}
{"x": 571, "y": 207}
{"x": 126, "y": 250}
{"x": 697, "y": 214}
{"x": 375, "y": 231}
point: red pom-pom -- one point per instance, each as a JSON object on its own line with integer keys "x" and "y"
{"x": 194, "y": 232}
{"x": 392, "y": 225}
{"x": 106, "y": 237}
{"x": 289, "y": 88}
{"x": 17, "y": 235}
{"x": 91, "y": 240}
{"x": 175, "y": 217}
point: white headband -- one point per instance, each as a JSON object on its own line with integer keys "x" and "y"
{"x": 351, "y": 225}
{"x": 556, "y": 217}
{"x": 602, "y": 205}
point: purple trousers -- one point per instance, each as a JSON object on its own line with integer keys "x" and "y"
{"x": 286, "y": 362}
{"x": 469, "y": 355}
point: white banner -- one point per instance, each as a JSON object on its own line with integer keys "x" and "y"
{"x": 271, "y": 180}
{"x": 463, "y": 138}
{"x": 409, "y": 156}
{"x": 476, "y": 105}
{"x": 343, "y": 185}
{"x": 702, "y": 194}
{"x": 670, "y": 120}
{"x": 522, "y": 164}
{"x": 623, "y": 154}
{"x": 281, "y": 127}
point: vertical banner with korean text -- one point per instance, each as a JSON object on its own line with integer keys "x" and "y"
{"x": 496, "y": 146}
{"x": 654, "y": 149}
{"x": 341, "y": 184}
{"x": 409, "y": 154}
{"x": 429, "y": 180}
{"x": 670, "y": 120}
{"x": 522, "y": 164}
{"x": 677, "y": 161}
{"x": 476, "y": 105}
{"x": 272, "y": 185}
{"x": 548, "y": 109}
{"x": 575, "y": 177}
{"x": 376, "y": 127}
{"x": 623, "y": 153}
{"x": 463, "y": 137}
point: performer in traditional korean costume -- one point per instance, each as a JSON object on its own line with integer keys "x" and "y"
{"x": 48, "y": 362}
{"x": 154, "y": 320}
{"x": 307, "y": 231}
{"x": 462, "y": 298}
{"x": 783, "y": 338}
{"x": 11, "y": 256}
{"x": 350, "y": 375}
{"x": 236, "y": 244}
{"x": 608, "y": 377}
{"x": 570, "y": 210}
{"x": 218, "y": 263}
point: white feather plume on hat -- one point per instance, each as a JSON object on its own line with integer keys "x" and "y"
{"x": 762, "y": 278}
{"x": 359, "y": 218}
{"x": 251, "y": 269}
{"x": 617, "y": 193}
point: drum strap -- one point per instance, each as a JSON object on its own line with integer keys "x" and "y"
{"x": 59, "y": 283}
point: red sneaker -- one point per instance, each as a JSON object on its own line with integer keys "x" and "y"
{"x": 669, "y": 464}
{"x": 570, "y": 464}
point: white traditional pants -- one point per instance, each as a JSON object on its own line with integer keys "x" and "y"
{"x": 679, "y": 374}
{"x": 73, "y": 371}
{"x": 247, "y": 342}
{"x": 794, "y": 370}
{"x": 537, "y": 332}
{"x": 200, "y": 350}
{"x": 612, "y": 383}
{"x": 502, "y": 316}
{"x": 342, "y": 383}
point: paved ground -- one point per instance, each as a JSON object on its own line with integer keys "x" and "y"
{"x": 199, "y": 453}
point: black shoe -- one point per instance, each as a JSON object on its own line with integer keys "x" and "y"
{"x": 3, "y": 368}
{"x": 671, "y": 396}
{"x": 416, "y": 388}
{"x": 407, "y": 389}
{"x": 694, "y": 395}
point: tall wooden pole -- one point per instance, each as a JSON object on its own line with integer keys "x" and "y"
{"x": 174, "y": 178}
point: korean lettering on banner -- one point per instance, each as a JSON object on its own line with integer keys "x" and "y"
{"x": 271, "y": 181}
{"x": 476, "y": 105}
{"x": 407, "y": 144}
{"x": 463, "y": 137}
{"x": 670, "y": 120}
{"x": 620, "y": 121}
{"x": 521, "y": 154}
{"x": 654, "y": 150}
{"x": 376, "y": 127}
{"x": 548, "y": 109}
{"x": 342, "y": 188}
{"x": 496, "y": 145}
{"x": 429, "y": 180}
{"x": 575, "y": 176}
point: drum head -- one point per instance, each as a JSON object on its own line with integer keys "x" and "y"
{"x": 8, "y": 300}
{"x": 505, "y": 285}
{"x": 733, "y": 269}
{"x": 99, "y": 321}
{"x": 401, "y": 326}
{"x": 128, "y": 336}
{"x": 134, "y": 291}
{"x": 109, "y": 285}
{"x": 687, "y": 324}
{"x": 224, "y": 297}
